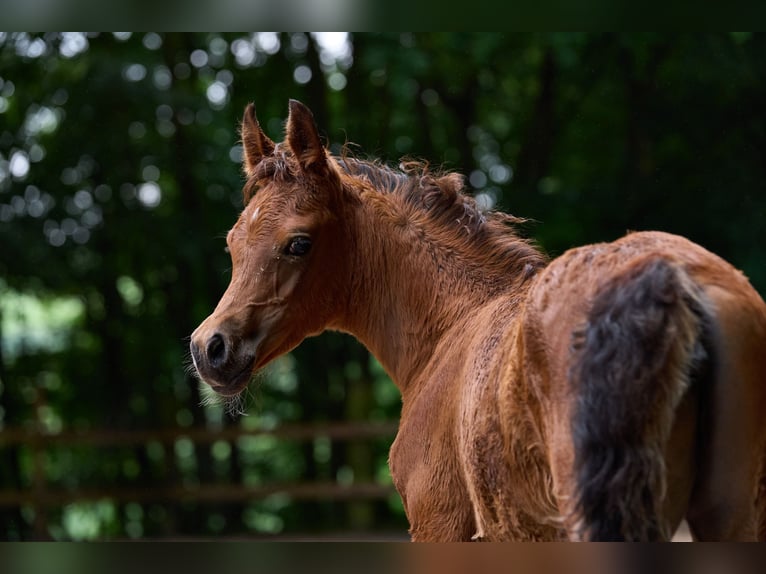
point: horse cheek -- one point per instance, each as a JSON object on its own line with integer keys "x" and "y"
{"x": 287, "y": 278}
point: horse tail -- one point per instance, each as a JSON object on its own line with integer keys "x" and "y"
{"x": 632, "y": 367}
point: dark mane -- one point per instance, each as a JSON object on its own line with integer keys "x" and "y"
{"x": 435, "y": 200}
{"x": 438, "y": 200}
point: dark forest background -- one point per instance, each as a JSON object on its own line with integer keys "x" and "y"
{"x": 120, "y": 174}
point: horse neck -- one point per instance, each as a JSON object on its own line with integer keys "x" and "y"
{"x": 408, "y": 291}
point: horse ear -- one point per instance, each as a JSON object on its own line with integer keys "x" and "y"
{"x": 303, "y": 138}
{"x": 255, "y": 144}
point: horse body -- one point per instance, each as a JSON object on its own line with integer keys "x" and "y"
{"x": 499, "y": 407}
{"x": 606, "y": 394}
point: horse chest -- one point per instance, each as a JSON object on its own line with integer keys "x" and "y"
{"x": 459, "y": 477}
{"x": 427, "y": 473}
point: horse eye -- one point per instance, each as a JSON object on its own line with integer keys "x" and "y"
{"x": 298, "y": 246}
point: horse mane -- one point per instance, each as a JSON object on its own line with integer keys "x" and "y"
{"x": 438, "y": 202}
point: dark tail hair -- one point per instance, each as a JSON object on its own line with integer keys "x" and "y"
{"x": 631, "y": 369}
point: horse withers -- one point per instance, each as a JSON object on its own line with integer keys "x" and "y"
{"x": 607, "y": 394}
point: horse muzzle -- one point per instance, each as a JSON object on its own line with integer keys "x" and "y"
{"x": 223, "y": 362}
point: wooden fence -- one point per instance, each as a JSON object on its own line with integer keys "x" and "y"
{"x": 40, "y": 496}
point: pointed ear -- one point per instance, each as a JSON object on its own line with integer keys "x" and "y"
{"x": 255, "y": 144}
{"x": 303, "y": 139}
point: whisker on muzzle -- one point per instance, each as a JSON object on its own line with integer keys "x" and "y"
{"x": 189, "y": 368}
{"x": 208, "y": 397}
{"x": 234, "y": 406}
{"x": 239, "y": 405}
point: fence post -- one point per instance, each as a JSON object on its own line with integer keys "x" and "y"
{"x": 40, "y": 524}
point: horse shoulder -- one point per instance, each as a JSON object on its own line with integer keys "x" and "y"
{"x": 423, "y": 459}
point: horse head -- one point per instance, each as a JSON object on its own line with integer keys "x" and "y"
{"x": 286, "y": 271}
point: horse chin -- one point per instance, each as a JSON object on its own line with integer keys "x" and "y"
{"x": 229, "y": 391}
{"x": 233, "y": 385}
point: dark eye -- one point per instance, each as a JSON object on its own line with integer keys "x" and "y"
{"x": 298, "y": 246}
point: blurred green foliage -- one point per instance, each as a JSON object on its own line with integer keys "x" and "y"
{"x": 119, "y": 176}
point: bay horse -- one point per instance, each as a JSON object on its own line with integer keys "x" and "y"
{"x": 606, "y": 394}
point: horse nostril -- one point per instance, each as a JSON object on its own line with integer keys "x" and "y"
{"x": 216, "y": 350}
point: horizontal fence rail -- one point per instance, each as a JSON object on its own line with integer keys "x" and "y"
{"x": 39, "y": 494}
{"x": 205, "y": 493}
{"x": 200, "y": 435}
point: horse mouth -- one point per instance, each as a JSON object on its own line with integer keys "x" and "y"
{"x": 233, "y": 384}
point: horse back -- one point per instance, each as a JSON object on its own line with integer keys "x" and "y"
{"x": 715, "y": 449}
